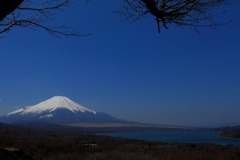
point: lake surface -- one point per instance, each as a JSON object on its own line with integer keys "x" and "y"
{"x": 178, "y": 136}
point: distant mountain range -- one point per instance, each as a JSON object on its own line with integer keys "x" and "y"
{"x": 58, "y": 110}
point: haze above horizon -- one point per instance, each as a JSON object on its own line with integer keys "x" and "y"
{"x": 127, "y": 69}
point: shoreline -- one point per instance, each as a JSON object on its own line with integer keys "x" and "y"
{"x": 221, "y": 139}
{"x": 231, "y": 138}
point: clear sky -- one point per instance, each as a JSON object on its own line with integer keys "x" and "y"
{"x": 127, "y": 69}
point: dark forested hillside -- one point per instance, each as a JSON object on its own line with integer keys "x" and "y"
{"x": 42, "y": 145}
{"x": 230, "y": 132}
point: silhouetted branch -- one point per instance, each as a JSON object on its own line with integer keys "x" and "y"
{"x": 193, "y": 13}
{"x": 34, "y": 14}
{"x": 7, "y": 7}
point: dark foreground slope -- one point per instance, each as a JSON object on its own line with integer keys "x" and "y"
{"x": 42, "y": 145}
{"x": 13, "y": 154}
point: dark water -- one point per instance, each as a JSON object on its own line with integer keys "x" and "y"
{"x": 179, "y": 136}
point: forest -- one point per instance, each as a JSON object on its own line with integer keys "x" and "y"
{"x": 50, "y": 145}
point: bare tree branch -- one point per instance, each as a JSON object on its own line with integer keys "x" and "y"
{"x": 192, "y": 13}
{"x": 34, "y": 14}
{"x": 7, "y": 7}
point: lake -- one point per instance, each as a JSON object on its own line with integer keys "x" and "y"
{"x": 178, "y": 136}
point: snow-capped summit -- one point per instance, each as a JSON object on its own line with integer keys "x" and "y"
{"x": 58, "y": 109}
{"x": 52, "y": 104}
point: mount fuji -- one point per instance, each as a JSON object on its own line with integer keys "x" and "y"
{"x": 58, "y": 110}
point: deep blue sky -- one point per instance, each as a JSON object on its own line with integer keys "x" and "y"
{"x": 127, "y": 69}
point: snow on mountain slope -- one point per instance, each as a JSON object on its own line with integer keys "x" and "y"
{"x": 50, "y": 105}
{"x": 58, "y": 110}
